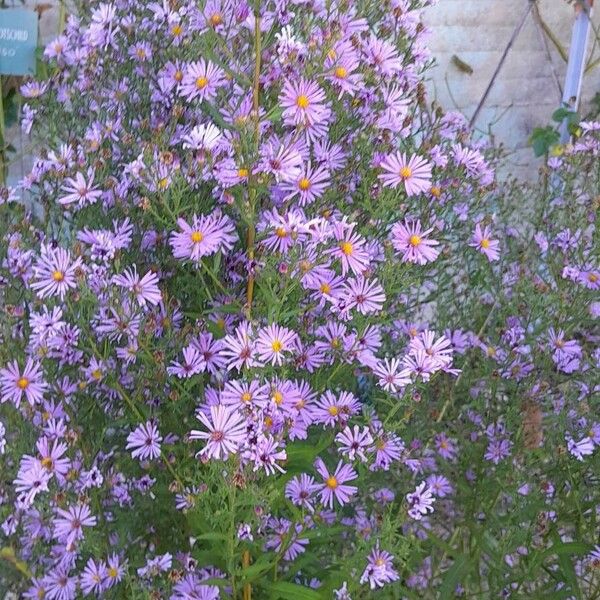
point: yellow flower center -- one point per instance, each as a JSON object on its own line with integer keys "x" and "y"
{"x": 201, "y": 82}
{"x": 302, "y": 102}
{"x": 177, "y": 30}
{"x": 436, "y": 191}
{"x": 414, "y": 240}
{"x": 246, "y": 397}
{"x": 22, "y": 383}
{"x": 380, "y": 562}
{"x": 281, "y": 232}
{"x": 196, "y": 237}
{"x": 491, "y": 351}
{"x": 325, "y": 288}
{"x": 331, "y": 482}
{"x": 163, "y": 183}
{"x": 58, "y": 276}
{"x": 47, "y": 463}
{"x": 341, "y": 73}
{"x": 333, "y": 411}
{"x": 592, "y": 277}
{"x": 405, "y": 172}
{"x": 112, "y": 572}
{"x": 276, "y": 345}
{"x": 346, "y": 248}
{"x": 485, "y": 243}
{"x": 216, "y": 19}
{"x": 243, "y": 172}
{"x": 268, "y": 422}
{"x": 278, "y": 397}
{"x": 335, "y": 343}
{"x": 178, "y": 76}
{"x": 97, "y": 374}
{"x": 304, "y": 184}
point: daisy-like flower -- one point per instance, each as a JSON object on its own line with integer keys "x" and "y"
{"x": 244, "y": 394}
{"x": 206, "y": 235}
{"x": 581, "y": 448}
{"x": 201, "y": 80}
{"x": 331, "y": 410}
{"x": 92, "y": 577}
{"x": 412, "y": 243}
{"x": 30, "y": 482}
{"x": 145, "y": 289}
{"x": 68, "y": 525}
{"x": 309, "y": 185}
{"x": 391, "y": 376}
{"x": 273, "y": 342}
{"x": 439, "y": 350}
{"x": 303, "y": 103}
{"x": 380, "y": 569}
{"x": 300, "y": 491}
{"x": 192, "y": 363}
{"x": 354, "y": 442}
{"x": 420, "y": 502}
{"x": 238, "y": 348}
{"x": 55, "y": 272}
{"x": 265, "y": 455}
{"x": 202, "y": 137}
{"x": 413, "y": 172}
{"x": 350, "y": 249}
{"x": 482, "y": 241}
{"x": 226, "y": 431}
{"x": 334, "y": 486}
{"x": 80, "y": 190}
{"x": 365, "y": 295}
{"x": 14, "y": 383}
{"x": 439, "y": 485}
{"x": 144, "y": 441}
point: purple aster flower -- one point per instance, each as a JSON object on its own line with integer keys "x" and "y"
{"x": 482, "y": 241}
{"x": 334, "y": 486}
{"x": 59, "y": 586}
{"x": 273, "y": 342}
{"x": 412, "y": 243}
{"x": 498, "y": 450}
{"x": 354, "y": 442}
{"x": 380, "y": 569}
{"x": 392, "y": 377}
{"x": 92, "y": 578}
{"x": 226, "y": 431}
{"x": 55, "y": 273}
{"x": 309, "y": 185}
{"x": 201, "y": 80}
{"x": 80, "y": 190}
{"x": 304, "y": 104}
{"x": 439, "y": 486}
{"x": 300, "y": 491}
{"x": 413, "y": 172}
{"x": 350, "y": 249}
{"x": 584, "y": 447}
{"x": 68, "y": 525}
{"x": 206, "y": 235}
{"x": 15, "y": 384}
{"x": 420, "y": 502}
{"x": 364, "y": 295}
{"x": 30, "y": 482}
{"x": 145, "y": 289}
{"x": 145, "y": 441}
{"x": 192, "y": 363}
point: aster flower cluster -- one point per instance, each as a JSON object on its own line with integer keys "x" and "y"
{"x": 269, "y": 335}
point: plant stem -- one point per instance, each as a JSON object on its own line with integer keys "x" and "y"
{"x": 252, "y": 192}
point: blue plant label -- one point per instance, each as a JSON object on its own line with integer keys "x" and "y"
{"x": 18, "y": 41}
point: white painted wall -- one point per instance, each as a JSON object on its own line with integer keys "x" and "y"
{"x": 525, "y": 93}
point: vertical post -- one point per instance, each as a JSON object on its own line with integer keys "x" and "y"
{"x": 576, "y": 65}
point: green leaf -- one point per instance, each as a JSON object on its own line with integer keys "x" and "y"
{"x": 292, "y": 591}
{"x": 456, "y": 574}
{"x": 543, "y": 138}
{"x": 567, "y": 548}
